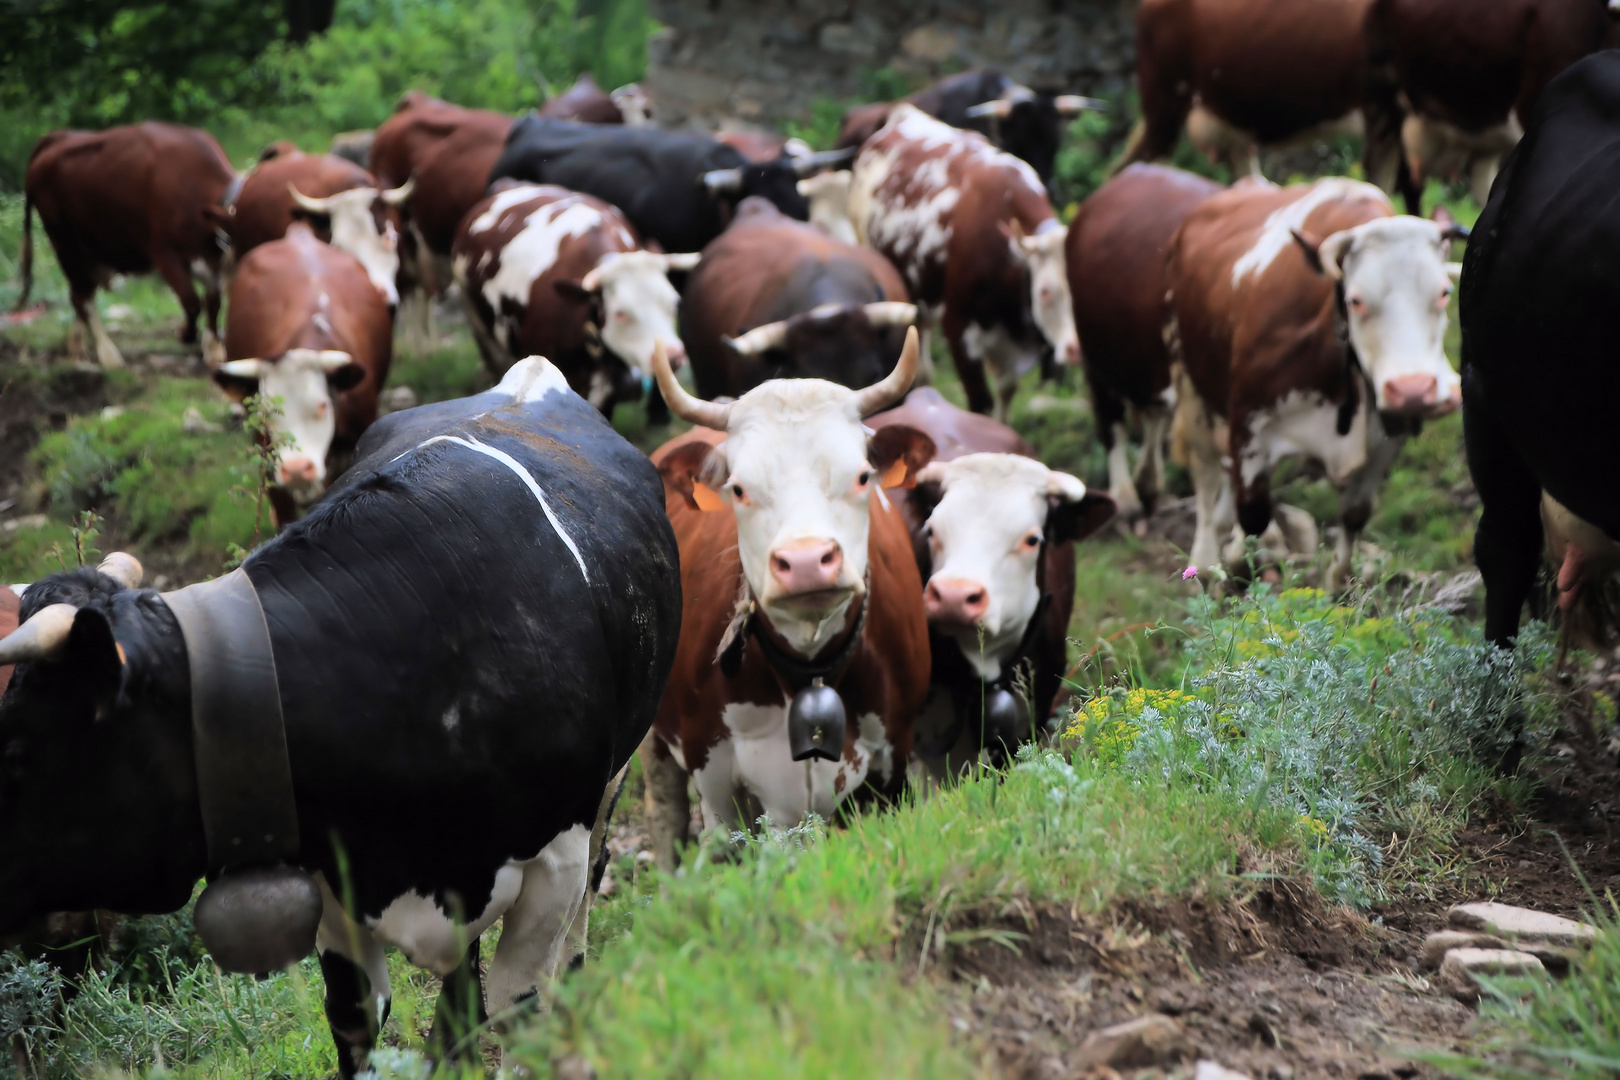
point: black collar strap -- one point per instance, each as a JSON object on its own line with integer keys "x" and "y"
{"x": 244, "y": 780}
{"x": 794, "y": 672}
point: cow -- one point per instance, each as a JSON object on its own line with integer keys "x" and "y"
{"x": 1276, "y": 71}
{"x": 126, "y": 201}
{"x": 761, "y": 147}
{"x": 828, "y": 196}
{"x": 306, "y": 326}
{"x": 1026, "y": 124}
{"x": 547, "y": 271}
{"x": 775, "y": 298}
{"x": 803, "y": 634}
{"x": 473, "y": 632}
{"x": 342, "y": 196}
{"x": 993, "y": 531}
{"x": 972, "y": 232}
{"x": 1305, "y": 320}
{"x": 1468, "y": 75}
{"x": 678, "y": 188}
{"x": 1115, "y": 256}
{"x": 585, "y": 102}
{"x": 1539, "y": 381}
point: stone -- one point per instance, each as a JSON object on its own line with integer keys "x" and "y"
{"x": 1521, "y": 924}
{"x": 1461, "y": 967}
{"x": 194, "y": 423}
{"x": 1135, "y": 1044}
{"x": 1208, "y": 1070}
{"x": 1436, "y": 945}
{"x": 931, "y": 41}
{"x": 398, "y": 399}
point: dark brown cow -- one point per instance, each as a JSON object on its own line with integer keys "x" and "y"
{"x": 1469, "y": 72}
{"x": 763, "y": 146}
{"x": 306, "y": 325}
{"x": 10, "y": 600}
{"x": 1309, "y": 320}
{"x": 972, "y": 232}
{"x": 550, "y": 272}
{"x": 125, "y": 201}
{"x": 590, "y": 104}
{"x": 993, "y": 531}
{"x": 775, "y": 298}
{"x": 1115, "y": 253}
{"x": 1276, "y": 71}
{"x": 793, "y": 569}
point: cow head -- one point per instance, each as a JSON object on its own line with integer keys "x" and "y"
{"x": 828, "y": 194}
{"x": 1029, "y": 125}
{"x": 637, "y": 303}
{"x": 847, "y": 344}
{"x": 634, "y": 104}
{"x": 1396, "y": 284}
{"x": 306, "y": 381}
{"x": 98, "y": 803}
{"x": 1049, "y": 297}
{"x": 776, "y": 181}
{"x": 798, "y": 470}
{"x": 994, "y": 516}
{"x": 363, "y": 225}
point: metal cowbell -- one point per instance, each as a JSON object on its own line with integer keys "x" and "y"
{"x": 816, "y": 723}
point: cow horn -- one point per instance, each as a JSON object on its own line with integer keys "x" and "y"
{"x": 1000, "y": 108}
{"x": 891, "y": 313}
{"x": 42, "y": 637}
{"x": 709, "y": 414}
{"x": 881, "y": 395}
{"x": 685, "y": 260}
{"x": 723, "y": 181}
{"x": 251, "y": 368}
{"x": 314, "y": 206}
{"x": 1071, "y": 104}
{"x": 759, "y": 339}
{"x": 592, "y": 279}
{"x": 810, "y": 164}
{"x": 1456, "y": 231}
{"x": 332, "y": 359}
{"x": 1454, "y": 271}
{"x": 123, "y": 568}
{"x": 1017, "y": 93}
{"x": 396, "y": 196}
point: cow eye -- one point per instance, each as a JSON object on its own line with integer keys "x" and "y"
{"x": 863, "y": 479}
{"x": 738, "y": 493}
{"x": 622, "y": 316}
{"x": 1357, "y": 304}
{"x": 1445, "y": 296}
{"x": 1033, "y": 540}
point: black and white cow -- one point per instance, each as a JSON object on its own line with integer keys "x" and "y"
{"x": 470, "y": 634}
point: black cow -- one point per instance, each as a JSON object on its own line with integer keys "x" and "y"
{"x": 1540, "y": 372}
{"x": 470, "y": 635}
{"x": 676, "y": 187}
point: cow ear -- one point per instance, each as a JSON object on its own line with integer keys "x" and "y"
{"x": 346, "y": 377}
{"x": 686, "y": 469}
{"x": 899, "y": 453}
{"x": 1067, "y": 522}
{"x": 572, "y": 290}
{"x": 237, "y": 388}
{"x": 1311, "y": 248}
{"x": 96, "y": 659}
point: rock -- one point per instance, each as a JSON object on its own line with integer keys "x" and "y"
{"x": 1521, "y": 924}
{"x": 397, "y": 399}
{"x": 1461, "y": 966}
{"x": 1436, "y": 945}
{"x": 27, "y": 521}
{"x": 1147, "y": 1040}
{"x": 194, "y": 423}
{"x": 1208, "y": 1070}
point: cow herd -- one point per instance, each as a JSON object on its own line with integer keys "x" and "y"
{"x": 477, "y": 610}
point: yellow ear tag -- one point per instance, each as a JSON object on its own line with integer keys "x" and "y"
{"x": 894, "y": 475}
{"x": 706, "y": 497}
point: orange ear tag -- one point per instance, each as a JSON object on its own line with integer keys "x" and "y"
{"x": 895, "y": 475}
{"x": 706, "y": 497}
{"x": 122, "y": 658}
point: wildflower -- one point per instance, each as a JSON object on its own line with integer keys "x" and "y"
{"x": 1189, "y": 573}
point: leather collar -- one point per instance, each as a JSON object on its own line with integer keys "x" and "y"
{"x": 795, "y": 673}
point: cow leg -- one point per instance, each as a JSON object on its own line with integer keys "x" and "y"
{"x": 356, "y": 975}
{"x": 460, "y": 1010}
{"x": 209, "y": 276}
{"x": 1483, "y": 175}
{"x": 1356, "y": 504}
{"x": 1149, "y": 478}
{"x": 1195, "y": 434}
{"x": 579, "y": 929}
{"x": 1109, "y": 410}
{"x": 534, "y": 930}
{"x": 177, "y": 274}
{"x": 84, "y": 307}
{"x": 497, "y": 358}
{"x": 1509, "y": 539}
{"x": 969, "y": 368}
{"x": 669, "y": 813}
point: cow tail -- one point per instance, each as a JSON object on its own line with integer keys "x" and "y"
{"x": 27, "y": 257}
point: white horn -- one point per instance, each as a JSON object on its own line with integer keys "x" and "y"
{"x": 314, "y": 206}
{"x": 881, "y": 395}
{"x": 694, "y": 410}
{"x": 253, "y": 368}
{"x": 1000, "y": 108}
{"x": 891, "y": 313}
{"x": 759, "y": 339}
{"x": 123, "y": 568}
{"x": 332, "y": 359}
{"x": 395, "y": 196}
{"x": 1454, "y": 269}
{"x": 41, "y": 638}
{"x": 723, "y": 181}
{"x": 1070, "y": 104}
{"x": 686, "y": 260}
{"x": 592, "y": 279}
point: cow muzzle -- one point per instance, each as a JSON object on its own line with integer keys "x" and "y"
{"x": 298, "y": 471}
{"x": 808, "y": 570}
{"x": 1416, "y": 395}
{"x": 956, "y": 602}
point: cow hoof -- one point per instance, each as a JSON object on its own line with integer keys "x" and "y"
{"x": 213, "y": 352}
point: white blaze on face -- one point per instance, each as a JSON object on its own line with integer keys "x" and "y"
{"x": 828, "y": 193}
{"x": 799, "y": 480}
{"x": 354, "y": 229}
{"x": 638, "y": 307}
{"x": 985, "y": 537}
{"x": 305, "y": 424}
{"x": 533, "y": 249}
{"x": 1397, "y": 288}
{"x": 1049, "y": 289}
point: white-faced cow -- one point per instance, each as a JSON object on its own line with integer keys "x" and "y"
{"x": 971, "y": 230}
{"x": 472, "y": 633}
{"x": 1308, "y": 320}
{"x": 828, "y": 195}
{"x": 804, "y": 646}
{"x": 128, "y": 200}
{"x": 307, "y": 326}
{"x": 547, "y": 271}
{"x": 993, "y": 531}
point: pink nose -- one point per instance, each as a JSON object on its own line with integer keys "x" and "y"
{"x": 1412, "y": 393}
{"x": 807, "y": 566}
{"x": 297, "y": 470}
{"x": 676, "y": 351}
{"x": 956, "y": 601}
{"x": 1071, "y": 353}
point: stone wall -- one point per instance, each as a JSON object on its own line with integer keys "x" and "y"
{"x": 759, "y": 62}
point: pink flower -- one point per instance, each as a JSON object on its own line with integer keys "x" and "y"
{"x": 1189, "y": 573}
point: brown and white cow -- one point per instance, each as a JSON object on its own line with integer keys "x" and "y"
{"x": 1308, "y": 320}
{"x": 1468, "y": 73}
{"x": 126, "y": 201}
{"x": 794, "y": 566}
{"x": 307, "y": 326}
{"x": 775, "y": 298}
{"x": 828, "y": 195}
{"x": 550, "y": 272}
{"x": 1115, "y": 252}
{"x": 972, "y": 232}
{"x": 338, "y": 194}
{"x": 993, "y": 531}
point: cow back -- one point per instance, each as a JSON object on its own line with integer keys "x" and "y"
{"x": 265, "y": 206}
{"x": 404, "y": 142}
{"x": 453, "y": 176}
